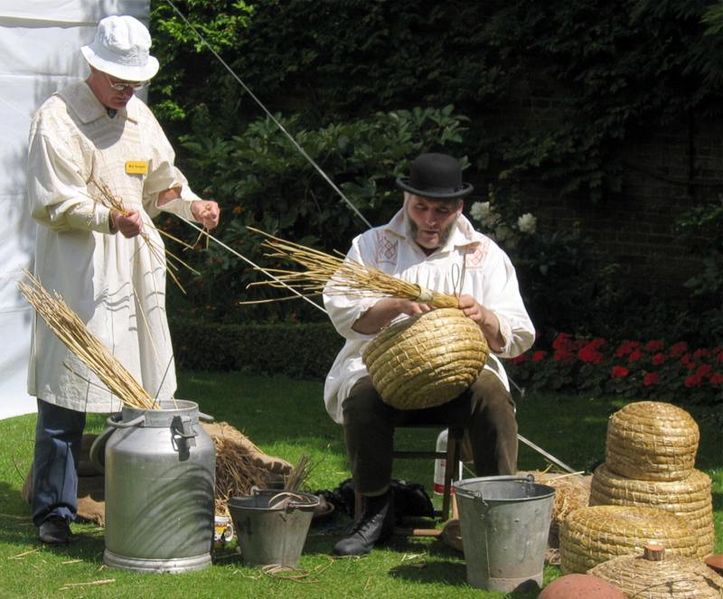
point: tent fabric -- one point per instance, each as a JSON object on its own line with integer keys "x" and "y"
{"x": 39, "y": 53}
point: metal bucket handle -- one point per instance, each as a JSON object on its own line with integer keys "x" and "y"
{"x": 478, "y": 495}
{"x": 283, "y": 499}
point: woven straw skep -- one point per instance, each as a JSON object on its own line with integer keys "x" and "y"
{"x": 669, "y": 578}
{"x": 427, "y": 360}
{"x": 592, "y": 535}
{"x": 650, "y": 440}
{"x": 690, "y": 498}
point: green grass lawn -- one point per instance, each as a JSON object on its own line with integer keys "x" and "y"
{"x": 287, "y": 418}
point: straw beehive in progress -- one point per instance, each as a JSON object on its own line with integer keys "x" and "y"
{"x": 650, "y": 457}
{"x": 420, "y": 362}
{"x": 427, "y": 360}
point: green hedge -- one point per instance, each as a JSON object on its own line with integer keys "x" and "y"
{"x": 296, "y": 350}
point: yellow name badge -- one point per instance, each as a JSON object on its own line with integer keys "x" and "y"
{"x": 137, "y": 167}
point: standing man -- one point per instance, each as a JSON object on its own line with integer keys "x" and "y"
{"x": 106, "y": 261}
{"x": 427, "y": 242}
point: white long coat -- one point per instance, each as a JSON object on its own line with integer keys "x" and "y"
{"x": 487, "y": 273}
{"x": 116, "y": 285}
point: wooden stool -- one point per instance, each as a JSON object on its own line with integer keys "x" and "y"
{"x": 451, "y": 456}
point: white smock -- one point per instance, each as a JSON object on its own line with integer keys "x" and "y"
{"x": 117, "y": 286}
{"x": 486, "y": 272}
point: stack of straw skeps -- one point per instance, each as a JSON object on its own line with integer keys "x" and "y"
{"x": 649, "y": 462}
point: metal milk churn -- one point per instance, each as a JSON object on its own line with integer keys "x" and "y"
{"x": 159, "y": 488}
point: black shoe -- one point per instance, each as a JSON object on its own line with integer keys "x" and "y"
{"x": 55, "y": 531}
{"x": 375, "y": 525}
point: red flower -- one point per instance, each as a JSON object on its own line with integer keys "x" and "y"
{"x": 654, "y": 345}
{"x": 692, "y": 380}
{"x": 619, "y": 372}
{"x": 701, "y": 353}
{"x": 703, "y": 369}
{"x": 625, "y": 348}
{"x": 562, "y": 342}
{"x": 590, "y": 354}
{"x": 678, "y": 349}
{"x": 635, "y": 356}
{"x": 539, "y": 355}
{"x": 659, "y": 359}
{"x": 519, "y": 359}
{"x": 562, "y": 355}
{"x": 716, "y": 379}
{"x": 651, "y": 378}
{"x": 687, "y": 361}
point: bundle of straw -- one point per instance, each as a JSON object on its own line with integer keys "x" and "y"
{"x": 298, "y": 475}
{"x": 335, "y": 276}
{"x": 71, "y": 330}
{"x": 238, "y": 468}
{"x": 107, "y": 198}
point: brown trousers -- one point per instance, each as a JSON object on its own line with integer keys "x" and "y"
{"x": 486, "y": 410}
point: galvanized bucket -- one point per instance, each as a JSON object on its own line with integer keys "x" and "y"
{"x": 159, "y": 488}
{"x": 272, "y": 525}
{"x": 504, "y": 521}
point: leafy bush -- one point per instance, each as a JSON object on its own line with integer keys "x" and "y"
{"x": 297, "y": 350}
{"x": 609, "y": 73}
{"x": 262, "y": 181}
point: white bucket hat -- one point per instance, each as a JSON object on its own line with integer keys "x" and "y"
{"x": 121, "y": 49}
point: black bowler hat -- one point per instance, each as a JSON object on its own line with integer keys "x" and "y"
{"x": 435, "y": 176}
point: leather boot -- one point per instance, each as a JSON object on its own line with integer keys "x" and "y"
{"x": 55, "y": 531}
{"x": 375, "y": 525}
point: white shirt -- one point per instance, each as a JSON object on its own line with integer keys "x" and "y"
{"x": 116, "y": 285}
{"x": 487, "y": 273}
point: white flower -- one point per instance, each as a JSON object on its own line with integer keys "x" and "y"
{"x": 479, "y": 210}
{"x": 527, "y": 223}
{"x": 503, "y": 232}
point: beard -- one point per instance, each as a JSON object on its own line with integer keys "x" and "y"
{"x": 443, "y": 235}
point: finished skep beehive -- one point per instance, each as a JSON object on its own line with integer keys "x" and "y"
{"x": 427, "y": 360}
{"x": 595, "y": 534}
{"x": 653, "y": 575}
{"x": 689, "y": 497}
{"x": 651, "y": 440}
{"x": 650, "y": 457}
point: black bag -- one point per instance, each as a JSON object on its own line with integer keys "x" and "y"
{"x": 410, "y": 499}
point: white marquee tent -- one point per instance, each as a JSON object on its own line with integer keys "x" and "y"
{"x": 39, "y": 53}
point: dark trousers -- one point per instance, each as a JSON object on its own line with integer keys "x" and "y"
{"x": 486, "y": 410}
{"x": 58, "y": 435}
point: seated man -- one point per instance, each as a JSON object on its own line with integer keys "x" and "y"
{"x": 428, "y": 242}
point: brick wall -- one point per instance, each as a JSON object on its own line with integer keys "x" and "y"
{"x": 665, "y": 173}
